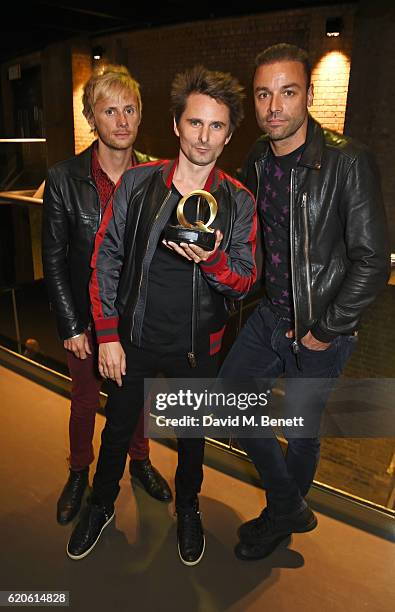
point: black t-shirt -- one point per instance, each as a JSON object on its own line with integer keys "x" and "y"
{"x": 274, "y": 210}
{"x": 167, "y": 322}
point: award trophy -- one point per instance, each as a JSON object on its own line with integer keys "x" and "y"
{"x": 199, "y": 232}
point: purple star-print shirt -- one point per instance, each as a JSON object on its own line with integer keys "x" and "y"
{"x": 273, "y": 202}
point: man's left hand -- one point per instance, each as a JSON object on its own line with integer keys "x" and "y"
{"x": 310, "y": 342}
{"x": 193, "y": 252}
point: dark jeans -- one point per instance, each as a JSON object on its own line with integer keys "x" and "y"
{"x": 123, "y": 410}
{"x": 85, "y": 399}
{"x": 263, "y": 351}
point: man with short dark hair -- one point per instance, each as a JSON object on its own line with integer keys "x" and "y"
{"x": 77, "y": 194}
{"x": 160, "y": 306}
{"x": 326, "y": 258}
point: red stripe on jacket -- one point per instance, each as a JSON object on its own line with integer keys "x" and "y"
{"x": 216, "y": 340}
{"x": 107, "y": 330}
{"x": 224, "y": 275}
{"x": 94, "y": 290}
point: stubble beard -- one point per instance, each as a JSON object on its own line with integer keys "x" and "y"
{"x": 194, "y": 158}
{"x": 286, "y": 132}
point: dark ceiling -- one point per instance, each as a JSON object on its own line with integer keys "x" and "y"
{"x": 25, "y": 28}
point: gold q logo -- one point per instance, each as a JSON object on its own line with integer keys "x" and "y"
{"x": 198, "y": 225}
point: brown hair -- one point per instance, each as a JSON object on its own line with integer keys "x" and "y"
{"x": 285, "y": 52}
{"x": 221, "y": 86}
{"x": 112, "y": 79}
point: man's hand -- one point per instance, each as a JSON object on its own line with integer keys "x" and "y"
{"x": 112, "y": 361}
{"x": 310, "y": 342}
{"x": 193, "y": 252}
{"x": 79, "y": 345}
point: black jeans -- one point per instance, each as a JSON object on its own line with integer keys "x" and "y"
{"x": 123, "y": 409}
{"x": 263, "y": 351}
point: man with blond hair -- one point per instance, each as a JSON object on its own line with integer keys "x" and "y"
{"x": 78, "y": 191}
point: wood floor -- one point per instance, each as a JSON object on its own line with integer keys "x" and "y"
{"x": 135, "y": 566}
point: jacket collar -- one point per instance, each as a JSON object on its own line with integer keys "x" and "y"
{"x": 213, "y": 179}
{"x": 312, "y": 154}
{"x": 81, "y": 165}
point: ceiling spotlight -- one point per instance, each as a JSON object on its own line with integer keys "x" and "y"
{"x": 334, "y": 26}
{"x": 97, "y": 53}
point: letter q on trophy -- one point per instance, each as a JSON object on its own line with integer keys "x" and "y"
{"x": 199, "y": 231}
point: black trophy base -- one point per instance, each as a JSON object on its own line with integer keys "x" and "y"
{"x": 178, "y": 234}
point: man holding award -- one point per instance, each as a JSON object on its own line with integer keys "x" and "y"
{"x": 177, "y": 242}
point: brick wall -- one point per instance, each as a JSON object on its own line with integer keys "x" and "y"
{"x": 154, "y": 56}
{"x": 330, "y": 77}
{"x": 375, "y": 354}
{"x": 362, "y": 466}
{"x": 81, "y": 70}
{"x": 226, "y": 44}
{"x": 372, "y": 91}
{"x": 330, "y": 59}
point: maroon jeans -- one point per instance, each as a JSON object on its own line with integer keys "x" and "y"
{"x": 85, "y": 390}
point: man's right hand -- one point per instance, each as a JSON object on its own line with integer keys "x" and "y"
{"x": 112, "y": 361}
{"x": 79, "y": 345}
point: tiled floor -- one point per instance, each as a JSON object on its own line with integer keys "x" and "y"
{"x": 135, "y": 565}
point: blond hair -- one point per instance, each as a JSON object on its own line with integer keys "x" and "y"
{"x": 113, "y": 79}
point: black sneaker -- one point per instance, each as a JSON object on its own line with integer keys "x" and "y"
{"x": 88, "y": 531}
{"x": 269, "y": 527}
{"x": 69, "y": 502}
{"x": 190, "y": 537}
{"x": 150, "y": 479}
{"x": 252, "y": 552}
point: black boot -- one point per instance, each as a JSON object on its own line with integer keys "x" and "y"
{"x": 269, "y": 527}
{"x": 149, "y": 477}
{"x": 69, "y": 502}
{"x": 253, "y": 552}
{"x": 261, "y": 536}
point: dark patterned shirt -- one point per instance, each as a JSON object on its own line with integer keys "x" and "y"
{"x": 104, "y": 184}
{"x": 274, "y": 209}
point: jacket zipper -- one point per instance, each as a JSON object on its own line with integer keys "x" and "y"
{"x": 191, "y": 355}
{"x": 257, "y": 185}
{"x": 295, "y": 344}
{"x": 306, "y": 253}
{"x": 142, "y": 267}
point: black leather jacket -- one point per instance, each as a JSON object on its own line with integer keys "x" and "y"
{"x": 71, "y": 218}
{"x": 338, "y": 237}
{"x": 127, "y": 240}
